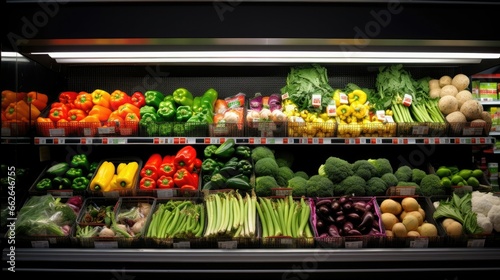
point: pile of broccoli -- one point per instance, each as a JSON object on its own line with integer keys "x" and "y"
{"x": 337, "y": 176}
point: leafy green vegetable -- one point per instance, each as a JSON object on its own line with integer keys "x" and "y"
{"x": 304, "y": 81}
{"x": 459, "y": 208}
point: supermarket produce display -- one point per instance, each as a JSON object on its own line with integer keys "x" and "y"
{"x": 306, "y": 170}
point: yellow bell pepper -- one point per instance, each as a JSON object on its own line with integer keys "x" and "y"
{"x": 336, "y": 97}
{"x": 359, "y": 110}
{"x": 103, "y": 176}
{"x": 344, "y": 111}
{"x": 357, "y": 95}
{"x": 126, "y": 178}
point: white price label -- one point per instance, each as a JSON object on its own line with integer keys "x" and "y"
{"x": 112, "y": 194}
{"x": 344, "y": 99}
{"x": 6, "y": 131}
{"x": 40, "y": 244}
{"x": 182, "y": 245}
{"x": 56, "y": 132}
{"x": 106, "y": 245}
{"x": 475, "y": 243}
{"x": 228, "y": 244}
{"x": 106, "y": 130}
{"x": 419, "y": 243}
{"x": 166, "y": 193}
{"x": 354, "y": 244}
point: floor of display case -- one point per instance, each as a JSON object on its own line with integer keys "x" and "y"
{"x": 314, "y": 263}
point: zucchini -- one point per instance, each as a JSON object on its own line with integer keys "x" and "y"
{"x": 226, "y": 149}
{"x": 58, "y": 169}
{"x": 238, "y": 184}
{"x": 229, "y": 171}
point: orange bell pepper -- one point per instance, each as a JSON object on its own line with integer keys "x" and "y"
{"x": 33, "y": 95}
{"x": 17, "y": 111}
{"x": 101, "y": 112}
{"x": 58, "y": 113}
{"x": 90, "y": 124}
{"x": 43, "y": 126}
{"x": 76, "y": 115}
{"x": 84, "y": 101}
{"x": 34, "y": 112}
{"x": 127, "y": 108}
{"x": 115, "y": 120}
{"x": 8, "y": 96}
{"x": 101, "y": 97}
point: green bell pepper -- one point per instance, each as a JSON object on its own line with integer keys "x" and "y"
{"x": 44, "y": 184}
{"x": 80, "y": 161}
{"x": 169, "y": 97}
{"x": 74, "y": 172}
{"x": 167, "y": 110}
{"x": 209, "y": 165}
{"x": 209, "y": 97}
{"x": 179, "y": 129}
{"x": 149, "y": 118}
{"x": 243, "y": 151}
{"x": 153, "y": 98}
{"x": 80, "y": 183}
{"x": 209, "y": 150}
{"x": 150, "y": 128}
{"x": 183, "y": 113}
{"x": 183, "y": 97}
{"x": 61, "y": 183}
{"x": 245, "y": 167}
{"x": 232, "y": 162}
{"x": 165, "y": 129}
{"x": 147, "y": 109}
{"x": 93, "y": 166}
{"x": 196, "y": 104}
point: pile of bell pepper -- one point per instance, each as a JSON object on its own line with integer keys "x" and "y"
{"x": 177, "y": 114}
{"x": 74, "y": 175}
{"x": 22, "y": 109}
{"x": 180, "y": 170}
{"x": 75, "y": 111}
{"x": 115, "y": 176}
{"x": 227, "y": 166}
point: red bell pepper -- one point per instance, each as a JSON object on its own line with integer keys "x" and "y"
{"x": 118, "y": 98}
{"x": 68, "y": 97}
{"x": 165, "y": 182}
{"x": 183, "y": 177}
{"x": 138, "y": 99}
{"x": 197, "y": 165}
{"x": 152, "y": 166}
{"x": 76, "y": 115}
{"x": 188, "y": 188}
{"x": 167, "y": 166}
{"x": 195, "y": 178}
{"x": 185, "y": 158}
{"x": 58, "y": 113}
{"x": 147, "y": 183}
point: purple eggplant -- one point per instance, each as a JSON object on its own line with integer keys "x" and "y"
{"x": 324, "y": 210}
{"x": 359, "y": 206}
{"x": 322, "y": 202}
{"x": 347, "y": 226}
{"x": 335, "y": 205}
{"x": 353, "y": 232}
{"x": 347, "y": 206}
{"x": 366, "y": 220}
{"x": 340, "y": 219}
{"x": 333, "y": 231}
{"x": 354, "y": 218}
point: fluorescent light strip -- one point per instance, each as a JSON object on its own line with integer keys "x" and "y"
{"x": 13, "y": 57}
{"x": 270, "y": 60}
{"x": 270, "y": 54}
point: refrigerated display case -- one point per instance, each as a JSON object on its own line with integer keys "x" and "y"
{"x": 356, "y": 29}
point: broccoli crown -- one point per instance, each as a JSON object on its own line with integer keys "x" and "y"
{"x": 383, "y": 166}
{"x": 352, "y": 185}
{"x": 417, "y": 175}
{"x": 302, "y": 174}
{"x": 298, "y": 185}
{"x": 264, "y": 184}
{"x": 284, "y": 158}
{"x": 390, "y": 179}
{"x": 407, "y": 184}
{"x": 364, "y": 169}
{"x": 266, "y": 167}
{"x": 431, "y": 185}
{"x": 261, "y": 152}
{"x": 284, "y": 174}
{"x": 403, "y": 173}
{"x": 335, "y": 169}
{"x": 376, "y": 186}
{"x": 319, "y": 186}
